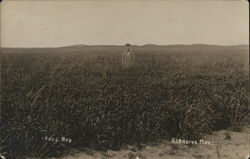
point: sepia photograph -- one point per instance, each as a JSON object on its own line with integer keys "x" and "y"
{"x": 124, "y": 79}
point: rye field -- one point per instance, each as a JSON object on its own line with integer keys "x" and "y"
{"x": 82, "y": 93}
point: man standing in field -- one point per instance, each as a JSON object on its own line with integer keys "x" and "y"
{"x": 127, "y": 58}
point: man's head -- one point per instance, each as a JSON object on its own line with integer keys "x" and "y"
{"x": 127, "y": 46}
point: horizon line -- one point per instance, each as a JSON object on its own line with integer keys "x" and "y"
{"x": 153, "y": 44}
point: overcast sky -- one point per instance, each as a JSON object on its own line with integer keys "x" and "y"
{"x": 61, "y": 23}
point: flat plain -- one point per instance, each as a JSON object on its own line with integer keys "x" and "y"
{"x": 82, "y": 93}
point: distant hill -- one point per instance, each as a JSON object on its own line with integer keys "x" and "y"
{"x": 106, "y": 48}
{"x": 79, "y": 45}
{"x": 196, "y": 46}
